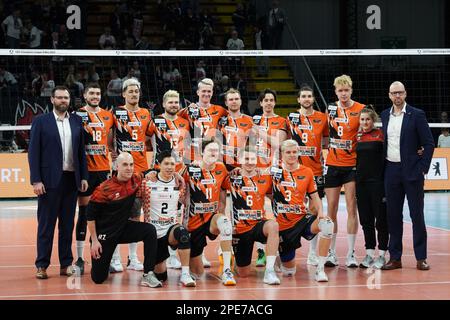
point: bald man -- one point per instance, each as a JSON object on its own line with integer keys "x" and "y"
{"x": 108, "y": 215}
{"x": 405, "y": 130}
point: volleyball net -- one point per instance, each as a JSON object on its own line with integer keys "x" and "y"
{"x": 27, "y": 77}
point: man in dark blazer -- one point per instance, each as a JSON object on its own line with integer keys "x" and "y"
{"x": 405, "y": 130}
{"x": 58, "y": 170}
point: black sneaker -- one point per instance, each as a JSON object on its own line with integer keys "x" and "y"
{"x": 80, "y": 264}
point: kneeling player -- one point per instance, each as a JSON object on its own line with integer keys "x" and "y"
{"x": 248, "y": 190}
{"x": 161, "y": 209}
{"x": 291, "y": 183}
{"x": 205, "y": 214}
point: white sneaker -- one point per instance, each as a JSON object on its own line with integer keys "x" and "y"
{"x": 228, "y": 278}
{"x": 332, "y": 260}
{"x": 270, "y": 277}
{"x": 379, "y": 262}
{"x": 135, "y": 264}
{"x": 150, "y": 280}
{"x": 367, "y": 262}
{"x": 351, "y": 261}
{"x": 115, "y": 266}
{"x": 321, "y": 276}
{"x": 313, "y": 260}
{"x": 173, "y": 263}
{"x": 186, "y": 280}
{"x": 206, "y": 263}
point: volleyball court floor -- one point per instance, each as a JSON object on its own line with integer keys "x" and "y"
{"x": 18, "y": 250}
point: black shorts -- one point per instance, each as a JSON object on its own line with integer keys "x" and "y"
{"x": 162, "y": 252}
{"x": 94, "y": 180}
{"x": 290, "y": 238}
{"x": 320, "y": 183}
{"x": 198, "y": 238}
{"x": 338, "y": 176}
{"x": 243, "y": 243}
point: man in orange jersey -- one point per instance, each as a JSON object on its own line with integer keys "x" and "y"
{"x": 97, "y": 125}
{"x": 203, "y": 119}
{"x": 310, "y": 128}
{"x": 248, "y": 190}
{"x": 343, "y": 124}
{"x": 292, "y": 182}
{"x": 132, "y": 126}
{"x": 234, "y": 128}
{"x": 169, "y": 131}
{"x": 204, "y": 217}
{"x": 269, "y": 130}
{"x": 203, "y": 116}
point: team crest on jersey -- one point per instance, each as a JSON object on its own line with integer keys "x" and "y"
{"x": 237, "y": 181}
{"x": 223, "y": 121}
{"x": 257, "y": 119}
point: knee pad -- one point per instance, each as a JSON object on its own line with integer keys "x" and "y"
{"x": 288, "y": 256}
{"x": 326, "y": 227}
{"x": 161, "y": 276}
{"x": 182, "y": 236}
{"x": 288, "y": 272}
{"x": 225, "y": 228}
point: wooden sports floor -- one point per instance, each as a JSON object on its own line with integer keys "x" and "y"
{"x": 17, "y": 271}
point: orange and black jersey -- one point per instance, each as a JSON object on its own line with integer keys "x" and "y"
{"x": 343, "y": 127}
{"x": 169, "y": 135}
{"x": 271, "y": 125}
{"x": 131, "y": 129}
{"x": 248, "y": 196}
{"x": 202, "y": 123}
{"x": 289, "y": 191}
{"x": 204, "y": 189}
{"x": 97, "y": 126}
{"x": 308, "y": 131}
{"x": 110, "y": 205}
{"x": 370, "y": 156}
{"x": 234, "y": 134}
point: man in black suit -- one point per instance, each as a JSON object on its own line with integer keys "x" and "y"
{"x": 405, "y": 130}
{"x": 58, "y": 170}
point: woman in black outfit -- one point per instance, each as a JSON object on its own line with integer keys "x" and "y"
{"x": 370, "y": 189}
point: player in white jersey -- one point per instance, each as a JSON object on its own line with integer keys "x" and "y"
{"x": 160, "y": 206}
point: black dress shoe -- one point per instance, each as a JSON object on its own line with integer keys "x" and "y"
{"x": 423, "y": 265}
{"x": 80, "y": 264}
{"x": 392, "y": 265}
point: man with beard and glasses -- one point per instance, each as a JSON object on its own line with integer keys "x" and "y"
{"x": 58, "y": 169}
{"x": 97, "y": 124}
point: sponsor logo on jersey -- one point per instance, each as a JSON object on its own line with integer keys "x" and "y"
{"x": 159, "y": 120}
{"x": 121, "y": 112}
{"x": 332, "y": 107}
{"x": 214, "y": 113}
{"x": 182, "y": 125}
{"x": 243, "y": 124}
{"x": 106, "y": 118}
{"x": 134, "y": 124}
{"x": 96, "y": 124}
{"x": 288, "y": 184}
{"x": 301, "y": 177}
{"x": 354, "y": 114}
{"x": 219, "y": 172}
{"x": 275, "y": 123}
{"x": 143, "y": 117}
{"x": 317, "y": 121}
{"x": 261, "y": 181}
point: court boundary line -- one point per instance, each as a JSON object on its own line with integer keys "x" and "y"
{"x": 222, "y": 290}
